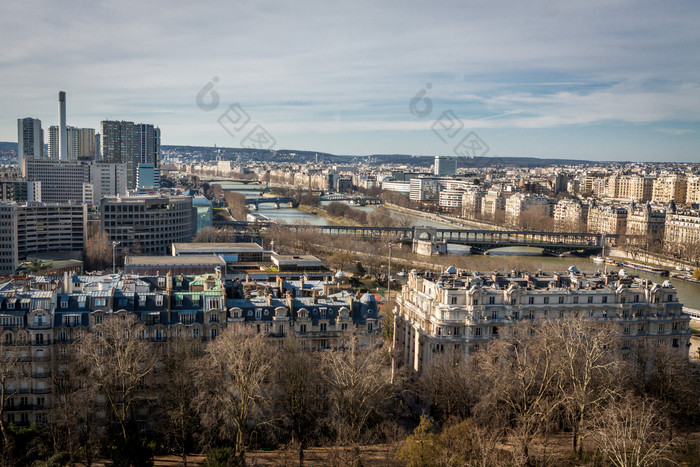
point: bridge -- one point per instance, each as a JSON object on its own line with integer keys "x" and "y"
{"x": 359, "y": 200}
{"x": 292, "y": 202}
{"x": 479, "y": 241}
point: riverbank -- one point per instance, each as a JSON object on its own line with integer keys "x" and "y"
{"x": 649, "y": 259}
{"x": 442, "y": 218}
{"x": 332, "y": 219}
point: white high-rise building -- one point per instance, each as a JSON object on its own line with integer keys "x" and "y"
{"x": 445, "y": 165}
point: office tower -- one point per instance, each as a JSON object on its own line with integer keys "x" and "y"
{"x": 107, "y": 180}
{"x": 53, "y": 143}
{"x": 130, "y": 144}
{"x": 61, "y": 181}
{"x": 8, "y": 238}
{"x": 86, "y": 143}
{"x": 147, "y": 177}
{"x": 31, "y": 228}
{"x": 149, "y": 144}
{"x": 445, "y": 165}
{"x": 147, "y": 225}
{"x": 62, "y": 134}
{"x": 98, "y": 152}
{"x": 30, "y": 139}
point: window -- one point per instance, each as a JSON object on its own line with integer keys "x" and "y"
{"x": 623, "y": 300}
{"x": 636, "y": 299}
{"x": 477, "y": 331}
{"x": 516, "y": 315}
{"x": 590, "y": 299}
{"x": 575, "y": 299}
{"x": 344, "y": 327}
{"x": 64, "y": 303}
{"x": 302, "y": 329}
{"x": 626, "y": 330}
{"x": 476, "y": 302}
{"x": 669, "y": 298}
{"x": 513, "y": 301}
{"x": 546, "y": 300}
{"x": 100, "y": 302}
{"x": 258, "y": 313}
{"x": 324, "y": 327}
{"x": 39, "y": 339}
{"x": 531, "y": 300}
{"x": 662, "y": 328}
{"x": 494, "y": 314}
{"x": 675, "y": 326}
{"x": 492, "y": 300}
{"x": 323, "y": 312}
{"x": 532, "y": 314}
{"x": 640, "y": 328}
{"x": 453, "y": 300}
{"x": 561, "y": 299}
{"x": 494, "y": 330}
{"x": 159, "y": 300}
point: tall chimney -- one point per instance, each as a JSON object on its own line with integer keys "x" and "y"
{"x": 62, "y": 133}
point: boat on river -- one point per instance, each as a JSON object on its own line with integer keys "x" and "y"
{"x": 646, "y": 268}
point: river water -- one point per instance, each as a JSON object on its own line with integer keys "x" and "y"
{"x": 530, "y": 258}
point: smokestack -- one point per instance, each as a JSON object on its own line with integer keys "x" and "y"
{"x": 62, "y": 133}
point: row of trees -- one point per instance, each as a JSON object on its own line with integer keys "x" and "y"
{"x": 561, "y": 377}
{"x": 236, "y": 204}
{"x": 123, "y": 397}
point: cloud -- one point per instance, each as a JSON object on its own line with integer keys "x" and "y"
{"x": 312, "y": 66}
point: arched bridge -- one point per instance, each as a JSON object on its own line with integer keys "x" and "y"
{"x": 256, "y": 202}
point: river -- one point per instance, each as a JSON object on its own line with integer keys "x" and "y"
{"x": 688, "y": 293}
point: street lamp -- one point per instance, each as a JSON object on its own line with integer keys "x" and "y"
{"x": 114, "y": 257}
{"x": 388, "y": 281}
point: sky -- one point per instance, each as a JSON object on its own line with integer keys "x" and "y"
{"x": 598, "y": 80}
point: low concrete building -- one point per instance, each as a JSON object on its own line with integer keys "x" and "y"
{"x": 153, "y": 265}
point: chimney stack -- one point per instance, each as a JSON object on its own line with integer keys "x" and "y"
{"x": 62, "y": 132}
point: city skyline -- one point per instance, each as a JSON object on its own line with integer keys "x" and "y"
{"x": 597, "y": 81}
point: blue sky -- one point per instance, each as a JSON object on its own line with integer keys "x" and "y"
{"x": 617, "y": 80}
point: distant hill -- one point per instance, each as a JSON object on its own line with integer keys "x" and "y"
{"x": 211, "y": 153}
{"x": 7, "y": 146}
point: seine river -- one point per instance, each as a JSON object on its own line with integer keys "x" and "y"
{"x": 688, "y": 293}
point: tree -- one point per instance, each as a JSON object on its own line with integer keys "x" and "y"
{"x": 447, "y": 383}
{"x": 73, "y": 419}
{"x": 587, "y": 369}
{"x": 297, "y": 395}
{"x": 630, "y": 432}
{"x": 98, "y": 252}
{"x": 178, "y": 420}
{"x": 232, "y": 392}
{"x": 118, "y": 360}
{"x": 422, "y": 448}
{"x": 340, "y": 259}
{"x": 520, "y": 377}
{"x": 13, "y": 350}
{"x": 358, "y": 388}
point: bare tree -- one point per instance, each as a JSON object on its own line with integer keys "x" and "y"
{"x": 178, "y": 418}
{"x": 98, "y": 252}
{"x": 447, "y": 384}
{"x": 73, "y": 418}
{"x": 118, "y": 361}
{"x": 358, "y": 388}
{"x": 631, "y": 432}
{"x": 521, "y": 378}
{"x": 232, "y": 390}
{"x": 587, "y": 367}
{"x": 14, "y": 351}
{"x": 297, "y": 393}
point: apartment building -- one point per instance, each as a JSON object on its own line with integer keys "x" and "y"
{"x": 471, "y": 202}
{"x": 607, "y": 219}
{"x": 670, "y": 188}
{"x": 44, "y": 316}
{"x": 570, "y": 215}
{"x": 692, "y": 194}
{"x": 519, "y": 205}
{"x": 424, "y": 189}
{"x": 682, "y": 233}
{"x": 463, "y": 312}
{"x": 645, "y": 226}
